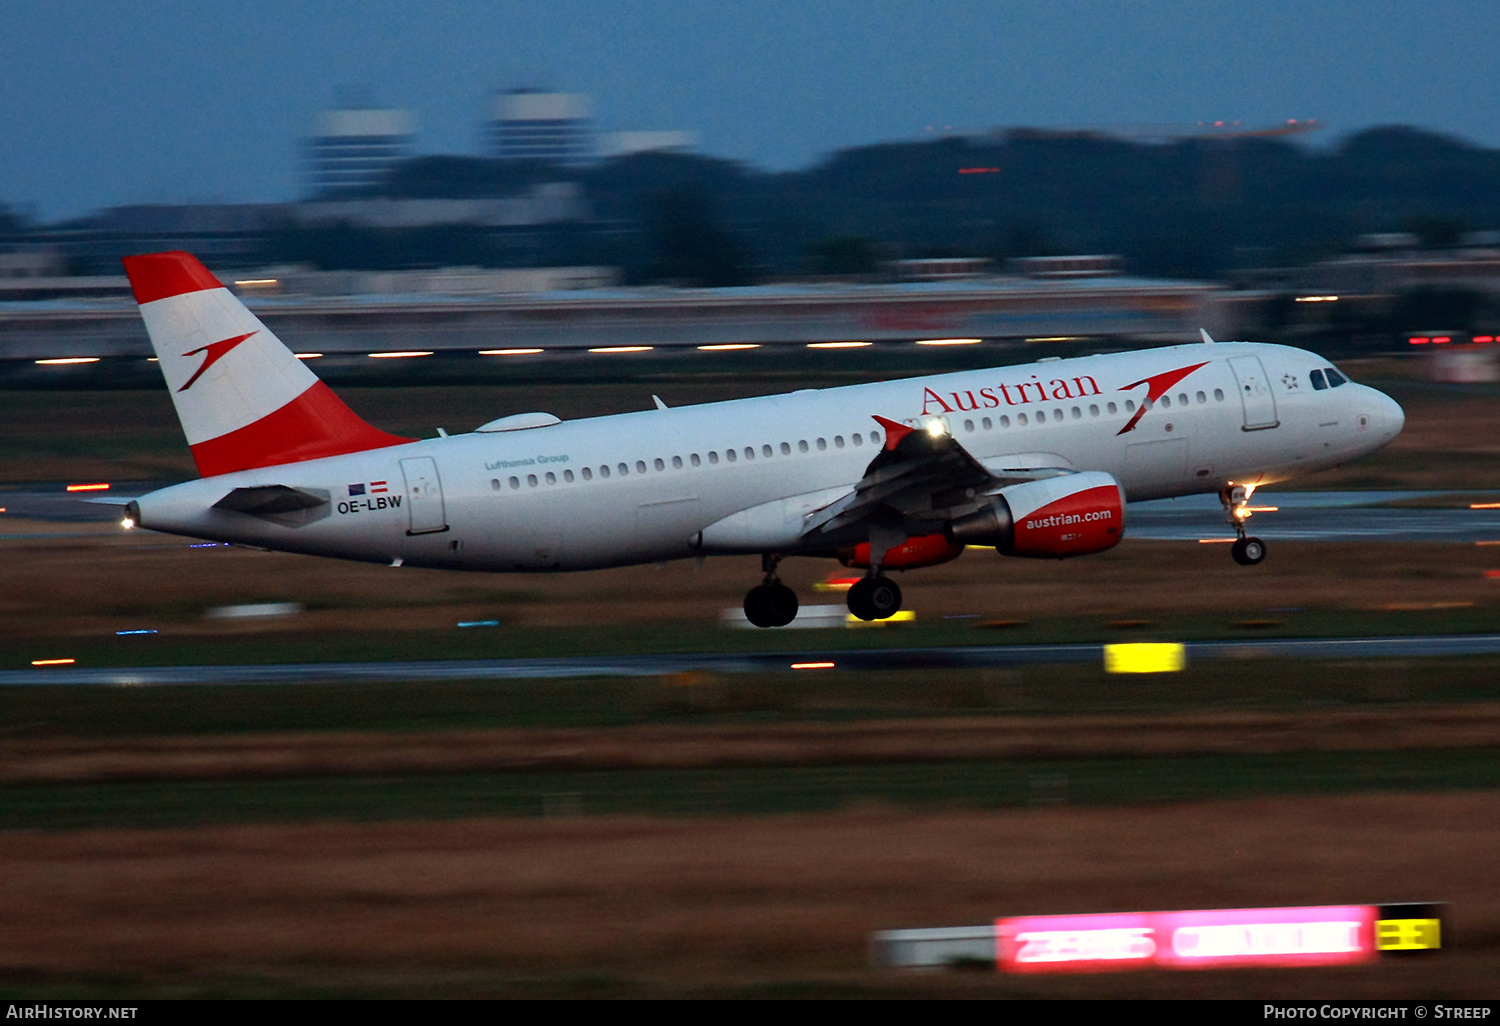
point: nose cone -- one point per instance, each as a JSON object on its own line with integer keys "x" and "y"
{"x": 1392, "y": 417}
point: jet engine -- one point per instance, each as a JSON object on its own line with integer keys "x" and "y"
{"x": 1054, "y": 518}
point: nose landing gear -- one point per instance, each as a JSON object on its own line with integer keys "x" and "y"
{"x": 1247, "y": 551}
{"x": 771, "y": 604}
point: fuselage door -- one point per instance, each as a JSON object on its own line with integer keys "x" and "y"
{"x": 1255, "y": 393}
{"x": 424, "y": 495}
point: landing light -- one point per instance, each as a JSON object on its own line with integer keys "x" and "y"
{"x": 936, "y": 428}
{"x": 127, "y": 523}
{"x": 307, "y": 356}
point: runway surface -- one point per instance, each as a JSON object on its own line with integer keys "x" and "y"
{"x": 967, "y": 657}
{"x": 1302, "y": 516}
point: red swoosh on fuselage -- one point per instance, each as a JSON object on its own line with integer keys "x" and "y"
{"x": 1157, "y": 385}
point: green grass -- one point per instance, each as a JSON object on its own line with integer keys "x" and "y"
{"x": 738, "y": 792}
{"x": 41, "y": 711}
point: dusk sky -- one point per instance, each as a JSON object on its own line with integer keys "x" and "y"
{"x": 167, "y": 101}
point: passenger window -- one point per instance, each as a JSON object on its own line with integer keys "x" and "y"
{"x": 1129, "y": 405}
{"x": 1077, "y": 413}
{"x": 802, "y": 445}
{"x": 968, "y": 425}
{"x": 551, "y": 477}
{"x": 1181, "y": 398}
{"x": 731, "y": 455}
{"x": 987, "y": 424}
{"x": 1166, "y": 402}
{"x": 1317, "y": 379}
{"x": 531, "y": 480}
{"x": 1202, "y": 398}
{"x": 1041, "y": 417}
{"x": 1021, "y": 419}
{"x": 713, "y": 456}
{"x": 604, "y": 472}
{"x": 786, "y": 449}
{"x": 1218, "y": 395}
{"x": 749, "y": 452}
{"x": 695, "y": 460}
{"x": 588, "y": 475}
{"x": 624, "y": 469}
{"x": 660, "y": 463}
{"x": 568, "y": 476}
{"x": 676, "y": 462}
{"x": 1057, "y": 415}
{"x": 494, "y": 484}
{"x": 765, "y": 451}
{"x": 515, "y": 482}
{"x": 874, "y": 437}
{"x": 822, "y": 445}
{"x": 1004, "y": 421}
{"x": 859, "y": 439}
{"x": 838, "y": 441}
{"x": 1093, "y": 409}
{"x": 1111, "y": 408}
{"x": 640, "y": 466}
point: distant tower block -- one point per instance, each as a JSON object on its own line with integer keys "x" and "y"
{"x": 531, "y": 125}
{"x": 356, "y": 148}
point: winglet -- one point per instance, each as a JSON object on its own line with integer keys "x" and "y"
{"x": 893, "y": 432}
{"x": 1206, "y": 339}
{"x": 659, "y": 404}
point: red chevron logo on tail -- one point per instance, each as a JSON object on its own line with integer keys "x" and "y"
{"x": 216, "y": 351}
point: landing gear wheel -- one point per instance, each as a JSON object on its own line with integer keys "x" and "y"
{"x": 875, "y": 598}
{"x": 1248, "y": 551}
{"x": 771, "y": 605}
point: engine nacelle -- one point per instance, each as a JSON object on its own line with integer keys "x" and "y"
{"x": 923, "y": 550}
{"x": 1071, "y": 515}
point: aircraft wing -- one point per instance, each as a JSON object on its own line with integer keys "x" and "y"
{"x": 926, "y": 475}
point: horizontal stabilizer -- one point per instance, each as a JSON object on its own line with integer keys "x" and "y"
{"x": 270, "y": 500}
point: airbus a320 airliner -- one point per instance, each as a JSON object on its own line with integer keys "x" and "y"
{"x": 1036, "y": 460}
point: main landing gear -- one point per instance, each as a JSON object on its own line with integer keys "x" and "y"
{"x": 875, "y": 598}
{"x": 1247, "y": 551}
{"x": 771, "y": 604}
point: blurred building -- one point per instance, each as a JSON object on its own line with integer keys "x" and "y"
{"x": 355, "y": 149}
{"x": 528, "y": 124}
{"x": 623, "y": 144}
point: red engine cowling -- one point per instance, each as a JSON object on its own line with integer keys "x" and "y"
{"x": 923, "y": 550}
{"x": 1072, "y": 515}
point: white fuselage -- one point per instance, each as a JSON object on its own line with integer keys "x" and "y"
{"x": 644, "y": 487}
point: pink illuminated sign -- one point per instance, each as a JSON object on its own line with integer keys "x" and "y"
{"x": 1323, "y": 935}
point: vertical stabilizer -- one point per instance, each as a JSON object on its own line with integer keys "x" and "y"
{"x": 243, "y": 398}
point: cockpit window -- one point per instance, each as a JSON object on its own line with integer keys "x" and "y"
{"x": 1318, "y": 381}
{"x": 1335, "y": 379}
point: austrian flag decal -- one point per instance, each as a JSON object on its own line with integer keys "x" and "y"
{"x": 374, "y": 488}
